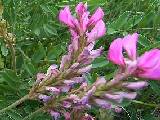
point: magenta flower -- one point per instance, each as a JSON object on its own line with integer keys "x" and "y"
{"x": 83, "y": 24}
{"x": 145, "y": 66}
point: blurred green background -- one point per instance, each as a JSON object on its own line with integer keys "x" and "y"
{"x": 41, "y": 41}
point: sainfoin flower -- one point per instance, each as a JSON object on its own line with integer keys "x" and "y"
{"x": 144, "y": 66}
{"x": 85, "y": 29}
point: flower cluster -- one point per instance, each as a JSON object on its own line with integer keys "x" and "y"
{"x": 64, "y": 89}
{"x": 67, "y": 90}
{"x": 85, "y": 30}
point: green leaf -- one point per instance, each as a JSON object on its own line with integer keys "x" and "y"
{"x": 29, "y": 67}
{"x": 54, "y": 52}
{"x": 39, "y": 53}
{"x": 155, "y": 86}
{"x": 11, "y": 79}
{"x": 49, "y": 29}
{"x": 99, "y": 62}
{"x": 14, "y": 115}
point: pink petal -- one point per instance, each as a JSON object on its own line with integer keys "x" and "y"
{"x": 103, "y": 103}
{"x": 52, "y": 70}
{"x": 65, "y": 88}
{"x": 55, "y": 115}
{"x": 67, "y": 116}
{"x": 149, "y": 60}
{"x": 98, "y": 31}
{"x": 66, "y": 104}
{"x": 100, "y": 81}
{"x": 135, "y": 85}
{"x": 85, "y": 69}
{"x": 45, "y": 98}
{"x": 74, "y": 98}
{"x": 66, "y": 17}
{"x": 53, "y": 90}
{"x": 81, "y": 8}
{"x": 78, "y": 79}
{"x": 117, "y": 97}
{"x": 74, "y": 34}
{"x": 151, "y": 74}
{"x": 115, "y": 52}
{"x": 69, "y": 82}
{"x": 84, "y": 22}
{"x": 97, "y": 16}
{"x": 96, "y": 53}
{"x": 40, "y": 76}
{"x": 131, "y": 95}
{"x": 65, "y": 60}
{"x": 75, "y": 43}
{"x": 129, "y": 44}
{"x": 118, "y": 109}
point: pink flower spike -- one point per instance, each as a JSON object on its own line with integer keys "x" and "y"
{"x": 115, "y": 52}
{"x": 66, "y": 17}
{"x": 98, "y": 31}
{"x": 129, "y": 44}
{"x": 97, "y": 16}
{"x": 135, "y": 85}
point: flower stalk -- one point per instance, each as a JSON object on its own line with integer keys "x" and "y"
{"x": 26, "y": 97}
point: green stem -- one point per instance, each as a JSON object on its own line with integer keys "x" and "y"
{"x": 15, "y": 104}
{"x": 12, "y": 50}
{"x": 34, "y": 113}
{"x": 147, "y": 104}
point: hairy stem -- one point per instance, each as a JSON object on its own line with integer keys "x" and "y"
{"x": 112, "y": 83}
{"x": 9, "y": 41}
{"x": 147, "y": 104}
{"x": 15, "y": 104}
{"x": 34, "y": 113}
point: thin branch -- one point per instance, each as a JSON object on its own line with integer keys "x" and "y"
{"x": 147, "y": 104}
{"x": 15, "y": 104}
{"x": 34, "y": 113}
{"x": 9, "y": 41}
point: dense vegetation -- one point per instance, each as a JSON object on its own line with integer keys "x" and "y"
{"x": 41, "y": 40}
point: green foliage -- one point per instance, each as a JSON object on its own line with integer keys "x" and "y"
{"x": 41, "y": 41}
